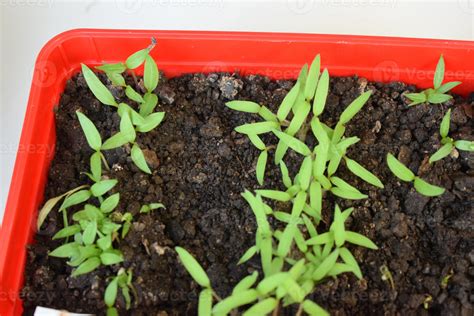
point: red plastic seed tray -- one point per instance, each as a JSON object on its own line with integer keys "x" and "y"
{"x": 277, "y": 55}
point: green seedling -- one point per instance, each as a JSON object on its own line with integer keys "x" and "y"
{"x": 122, "y": 282}
{"x": 405, "y": 174}
{"x": 437, "y": 94}
{"x": 294, "y": 118}
{"x": 448, "y": 144}
{"x": 387, "y": 276}
{"x": 131, "y": 121}
{"x": 293, "y": 264}
{"x": 150, "y": 207}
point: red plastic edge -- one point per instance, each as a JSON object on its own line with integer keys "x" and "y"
{"x": 277, "y": 55}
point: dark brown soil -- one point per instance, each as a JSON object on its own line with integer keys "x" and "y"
{"x": 201, "y": 167}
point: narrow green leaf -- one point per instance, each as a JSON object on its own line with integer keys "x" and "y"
{"x": 137, "y": 58}
{"x": 116, "y": 78}
{"x": 258, "y": 209}
{"x": 280, "y": 151}
{"x": 67, "y": 232}
{"x": 305, "y": 172}
{"x": 286, "y": 240}
{"x": 99, "y": 90}
{"x": 363, "y": 173}
{"x": 346, "y": 143}
{"x": 444, "y": 151}
{"x": 445, "y": 122}
{"x": 338, "y": 132}
{"x": 361, "y": 240}
{"x": 225, "y": 306}
{"x": 133, "y": 95}
{"x": 151, "y": 122}
{"x": 298, "y": 119}
{"x": 266, "y": 254}
{"x": 138, "y": 159}
{"x": 399, "y": 169}
{"x": 293, "y": 143}
{"x": 115, "y": 141}
{"x": 427, "y": 189}
{"x": 300, "y": 241}
{"x": 87, "y": 266}
{"x": 438, "y": 98}
{"x": 244, "y": 106}
{"x": 89, "y": 234}
{"x": 288, "y": 102}
{"x": 349, "y": 259}
{"x": 309, "y": 226}
{"x": 112, "y": 311}
{"x": 325, "y": 266}
{"x": 320, "y": 239}
{"x": 256, "y": 141}
{"x": 261, "y": 164}
{"x": 102, "y": 187}
{"x": 96, "y": 166}
{"x": 126, "y": 128}
{"x": 448, "y": 86}
{"x": 263, "y": 307}
{"x": 313, "y": 76}
{"x": 110, "y": 257}
{"x": 464, "y": 145}
{"x": 110, "y": 203}
{"x": 246, "y": 283}
{"x": 348, "y": 194}
{"x": 193, "y": 267}
{"x": 340, "y": 268}
{"x": 319, "y": 132}
{"x": 50, "y": 204}
{"x": 274, "y": 195}
{"x": 439, "y": 73}
{"x": 294, "y": 290}
{"x": 257, "y": 128}
{"x": 354, "y": 107}
{"x": 150, "y": 101}
{"x": 205, "y": 303}
{"x": 298, "y": 205}
{"x": 338, "y": 182}
{"x": 248, "y": 255}
{"x": 150, "y": 74}
{"x": 75, "y": 198}
{"x": 267, "y": 115}
{"x": 285, "y": 175}
{"x": 314, "y": 309}
{"x": 270, "y": 283}
{"x": 105, "y": 242}
{"x": 321, "y": 93}
{"x": 65, "y": 251}
{"x": 90, "y": 131}
{"x": 117, "y": 67}
{"x": 416, "y": 98}
{"x": 110, "y": 294}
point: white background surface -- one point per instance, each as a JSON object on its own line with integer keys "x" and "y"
{"x": 27, "y": 24}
